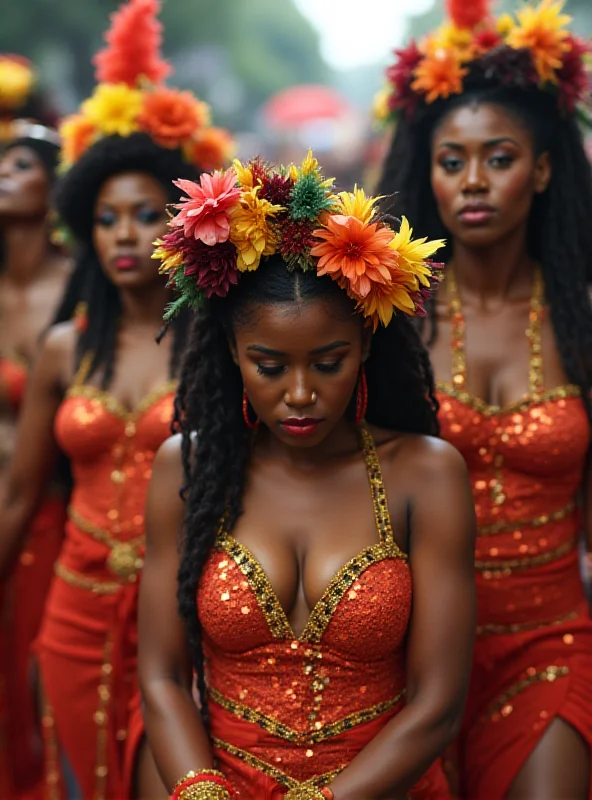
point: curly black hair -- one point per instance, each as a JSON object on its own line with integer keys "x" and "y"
{"x": 208, "y": 411}
{"x": 560, "y": 229}
{"x": 75, "y": 199}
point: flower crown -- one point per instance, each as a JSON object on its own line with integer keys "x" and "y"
{"x": 531, "y": 50}
{"x": 17, "y": 80}
{"x": 230, "y": 220}
{"x": 130, "y": 97}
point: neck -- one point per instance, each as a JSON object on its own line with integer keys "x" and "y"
{"x": 489, "y": 276}
{"x": 144, "y": 307}
{"x": 26, "y": 249}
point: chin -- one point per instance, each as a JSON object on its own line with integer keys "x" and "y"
{"x": 478, "y": 237}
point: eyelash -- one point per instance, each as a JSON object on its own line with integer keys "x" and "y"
{"x": 145, "y": 217}
{"x": 326, "y": 368}
{"x": 451, "y": 165}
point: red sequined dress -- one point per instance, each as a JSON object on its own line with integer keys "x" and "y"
{"x": 288, "y": 709}
{"x": 533, "y": 656}
{"x": 22, "y": 602}
{"x": 88, "y": 642}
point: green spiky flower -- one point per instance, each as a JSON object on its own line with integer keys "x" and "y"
{"x": 309, "y": 198}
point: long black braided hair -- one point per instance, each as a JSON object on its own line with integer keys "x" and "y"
{"x": 76, "y": 195}
{"x": 560, "y": 225}
{"x": 208, "y": 413}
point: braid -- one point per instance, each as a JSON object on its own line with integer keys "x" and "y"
{"x": 560, "y": 229}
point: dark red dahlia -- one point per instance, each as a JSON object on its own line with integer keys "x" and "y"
{"x": 296, "y": 241}
{"x": 510, "y": 66}
{"x": 572, "y": 77}
{"x": 214, "y": 268}
{"x": 400, "y": 76}
{"x": 487, "y": 40}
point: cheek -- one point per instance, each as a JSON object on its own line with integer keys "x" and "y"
{"x": 102, "y": 238}
{"x": 34, "y": 190}
{"x": 445, "y": 190}
{"x": 515, "y": 188}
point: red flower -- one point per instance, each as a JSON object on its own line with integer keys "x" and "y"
{"x": 214, "y": 268}
{"x": 486, "y": 40}
{"x": 467, "y": 13}
{"x": 572, "y": 77}
{"x": 400, "y": 75}
{"x": 296, "y": 241}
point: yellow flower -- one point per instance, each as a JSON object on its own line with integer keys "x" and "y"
{"x": 170, "y": 259}
{"x": 243, "y": 174}
{"x": 356, "y": 204}
{"x": 16, "y": 82}
{"x": 504, "y": 25}
{"x": 310, "y": 164}
{"x": 380, "y": 105}
{"x": 251, "y": 231}
{"x": 114, "y": 109}
{"x": 413, "y": 253}
{"x": 449, "y": 37}
{"x": 541, "y": 30}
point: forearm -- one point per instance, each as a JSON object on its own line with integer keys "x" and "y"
{"x": 16, "y": 513}
{"x": 392, "y": 763}
{"x": 177, "y": 736}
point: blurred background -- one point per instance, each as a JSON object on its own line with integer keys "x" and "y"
{"x": 281, "y": 74}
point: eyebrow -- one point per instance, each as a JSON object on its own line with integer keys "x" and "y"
{"x": 488, "y": 143}
{"x": 267, "y": 351}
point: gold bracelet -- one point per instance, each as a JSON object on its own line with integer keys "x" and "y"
{"x": 205, "y": 790}
{"x": 308, "y": 791}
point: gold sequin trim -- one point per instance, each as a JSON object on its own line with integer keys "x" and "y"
{"x": 526, "y": 563}
{"x": 270, "y": 770}
{"x": 114, "y": 406}
{"x": 559, "y": 393}
{"x": 125, "y": 561}
{"x": 550, "y": 674}
{"x": 270, "y": 606}
{"x": 101, "y": 720}
{"x": 83, "y": 582}
{"x": 310, "y": 737}
{"x": 535, "y": 522}
{"x": 517, "y": 627}
{"x": 52, "y": 756}
{"x": 321, "y": 614}
{"x": 379, "y": 501}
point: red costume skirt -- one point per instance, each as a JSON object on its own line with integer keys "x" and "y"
{"x": 88, "y": 660}
{"x": 23, "y": 603}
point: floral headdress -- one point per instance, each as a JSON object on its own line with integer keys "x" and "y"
{"x": 17, "y": 82}
{"x": 230, "y": 220}
{"x": 533, "y": 49}
{"x": 130, "y": 97}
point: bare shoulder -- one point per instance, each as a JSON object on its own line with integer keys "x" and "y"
{"x": 56, "y": 357}
{"x": 168, "y": 460}
{"x": 421, "y": 457}
{"x": 61, "y": 339}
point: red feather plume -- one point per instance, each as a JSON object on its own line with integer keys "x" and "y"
{"x": 467, "y": 13}
{"x": 133, "y": 46}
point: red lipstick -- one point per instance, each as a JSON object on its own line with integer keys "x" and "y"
{"x": 476, "y": 213}
{"x": 300, "y": 426}
{"x": 124, "y": 263}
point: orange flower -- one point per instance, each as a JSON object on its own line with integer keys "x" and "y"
{"x": 439, "y": 74}
{"x": 212, "y": 149}
{"x": 542, "y": 31}
{"x": 77, "y": 134}
{"x": 355, "y": 254}
{"x": 171, "y": 117}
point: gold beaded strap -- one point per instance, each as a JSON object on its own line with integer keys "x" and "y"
{"x": 83, "y": 370}
{"x": 379, "y": 501}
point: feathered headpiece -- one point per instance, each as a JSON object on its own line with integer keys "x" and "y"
{"x": 230, "y": 220}
{"x": 17, "y": 84}
{"x": 130, "y": 96}
{"x": 533, "y": 49}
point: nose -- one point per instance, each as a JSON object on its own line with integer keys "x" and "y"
{"x": 125, "y": 231}
{"x": 300, "y": 394}
{"x": 475, "y": 179}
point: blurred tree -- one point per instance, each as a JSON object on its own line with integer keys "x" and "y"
{"x": 247, "y": 50}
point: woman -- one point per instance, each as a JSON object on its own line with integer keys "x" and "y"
{"x": 103, "y": 394}
{"x": 318, "y": 677}
{"x": 499, "y": 169}
{"x": 33, "y": 275}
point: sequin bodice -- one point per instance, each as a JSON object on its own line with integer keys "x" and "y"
{"x": 111, "y": 452}
{"x": 345, "y": 669}
{"x": 526, "y": 464}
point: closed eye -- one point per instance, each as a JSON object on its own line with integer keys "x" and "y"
{"x": 270, "y": 371}
{"x": 329, "y": 366}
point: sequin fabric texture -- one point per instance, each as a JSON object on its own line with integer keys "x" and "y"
{"x": 287, "y": 709}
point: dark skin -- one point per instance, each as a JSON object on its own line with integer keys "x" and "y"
{"x": 483, "y": 154}
{"x": 297, "y": 525}
{"x": 129, "y": 215}
{"x": 33, "y": 274}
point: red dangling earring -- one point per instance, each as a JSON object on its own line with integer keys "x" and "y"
{"x": 362, "y": 396}
{"x": 248, "y": 422}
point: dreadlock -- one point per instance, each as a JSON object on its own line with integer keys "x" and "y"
{"x": 560, "y": 231}
{"x": 75, "y": 198}
{"x": 215, "y": 441}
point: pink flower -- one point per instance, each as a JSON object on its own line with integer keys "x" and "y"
{"x": 203, "y": 214}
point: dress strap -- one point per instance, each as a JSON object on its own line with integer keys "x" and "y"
{"x": 379, "y": 501}
{"x": 536, "y": 382}
{"x": 83, "y": 370}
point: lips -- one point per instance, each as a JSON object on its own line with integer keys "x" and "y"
{"x": 7, "y": 186}
{"x": 300, "y": 426}
{"x": 124, "y": 263}
{"x": 476, "y": 213}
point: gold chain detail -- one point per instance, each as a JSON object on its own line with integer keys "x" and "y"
{"x": 114, "y": 406}
{"x": 550, "y": 674}
{"x": 310, "y": 737}
{"x": 271, "y": 771}
{"x": 80, "y": 581}
{"x": 101, "y": 719}
{"x": 535, "y": 522}
{"x": 520, "y": 406}
{"x": 525, "y": 563}
{"x": 125, "y": 560}
{"x": 517, "y": 627}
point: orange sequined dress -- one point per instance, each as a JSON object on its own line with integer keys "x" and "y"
{"x": 88, "y": 642}
{"x": 22, "y": 604}
{"x": 288, "y": 709}
{"x": 533, "y": 656}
